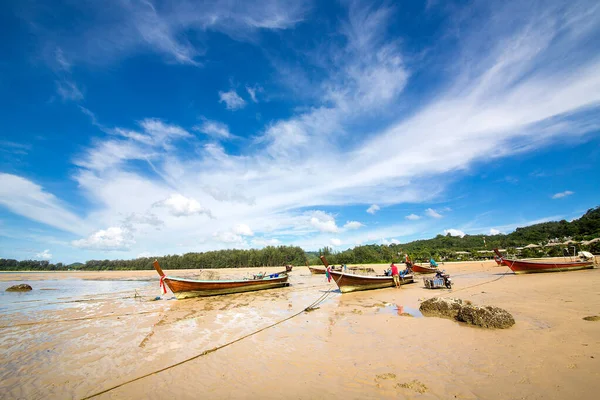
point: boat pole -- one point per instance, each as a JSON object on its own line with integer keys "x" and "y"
{"x": 157, "y": 268}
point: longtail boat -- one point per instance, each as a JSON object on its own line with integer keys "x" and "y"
{"x": 422, "y": 269}
{"x": 185, "y": 288}
{"x": 353, "y": 282}
{"x": 316, "y": 270}
{"x": 288, "y": 268}
{"x": 498, "y": 260}
{"x": 528, "y": 267}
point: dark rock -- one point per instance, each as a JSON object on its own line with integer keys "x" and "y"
{"x": 440, "y": 307}
{"x": 486, "y": 317}
{"x": 19, "y": 288}
{"x": 464, "y": 311}
{"x": 592, "y": 318}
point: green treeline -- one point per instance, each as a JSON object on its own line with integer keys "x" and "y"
{"x": 441, "y": 248}
{"x": 269, "y": 256}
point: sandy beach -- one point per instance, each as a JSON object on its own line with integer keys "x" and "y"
{"x": 67, "y": 343}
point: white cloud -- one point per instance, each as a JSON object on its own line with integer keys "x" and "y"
{"x": 494, "y": 231}
{"x": 68, "y": 90}
{"x": 25, "y": 198}
{"x": 430, "y": 212}
{"x": 562, "y": 194}
{"x": 335, "y": 242}
{"x": 44, "y": 255}
{"x": 387, "y": 242}
{"x": 412, "y": 217}
{"x": 261, "y": 242}
{"x": 454, "y": 232}
{"x": 229, "y": 237}
{"x": 144, "y": 254}
{"x": 373, "y": 209}
{"x": 215, "y": 129}
{"x": 323, "y": 222}
{"x": 243, "y": 230}
{"x": 113, "y": 238}
{"x": 252, "y": 92}
{"x": 127, "y": 28}
{"x": 353, "y": 225}
{"x": 181, "y": 206}
{"x": 60, "y": 59}
{"x": 232, "y": 100}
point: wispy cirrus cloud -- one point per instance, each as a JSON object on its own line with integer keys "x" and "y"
{"x": 216, "y": 129}
{"x": 30, "y": 200}
{"x": 252, "y": 92}
{"x": 68, "y": 90}
{"x": 430, "y": 212}
{"x": 560, "y": 195}
{"x": 119, "y": 29}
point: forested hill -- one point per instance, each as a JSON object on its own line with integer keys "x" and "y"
{"x": 440, "y": 247}
{"x": 445, "y": 247}
{"x": 586, "y": 227}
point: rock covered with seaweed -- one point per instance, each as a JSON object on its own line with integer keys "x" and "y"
{"x": 486, "y": 317}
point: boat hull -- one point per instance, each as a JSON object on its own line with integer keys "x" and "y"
{"x": 352, "y": 283}
{"x": 531, "y": 267}
{"x": 424, "y": 270}
{"x": 186, "y": 288}
{"x": 317, "y": 271}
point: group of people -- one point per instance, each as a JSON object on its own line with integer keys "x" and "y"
{"x": 396, "y": 274}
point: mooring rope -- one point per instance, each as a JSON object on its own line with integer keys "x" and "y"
{"x": 76, "y": 319}
{"x": 205, "y": 352}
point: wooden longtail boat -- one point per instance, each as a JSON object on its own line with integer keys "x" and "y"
{"x": 288, "y": 268}
{"x": 185, "y": 288}
{"x": 316, "y": 270}
{"x": 353, "y": 282}
{"x": 422, "y": 269}
{"x": 498, "y": 260}
{"x": 528, "y": 267}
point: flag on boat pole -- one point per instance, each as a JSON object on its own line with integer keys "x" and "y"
{"x": 328, "y": 274}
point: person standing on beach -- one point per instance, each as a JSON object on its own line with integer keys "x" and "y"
{"x": 395, "y": 275}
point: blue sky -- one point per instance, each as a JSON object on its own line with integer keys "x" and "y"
{"x": 151, "y": 127}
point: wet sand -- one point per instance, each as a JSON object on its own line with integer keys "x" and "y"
{"x": 353, "y": 346}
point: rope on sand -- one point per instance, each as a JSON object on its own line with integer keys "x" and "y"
{"x": 205, "y": 352}
{"x": 76, "y": 319}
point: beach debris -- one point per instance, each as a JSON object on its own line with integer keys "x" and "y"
{"x": 485, "y": 317}
{"x": 414, "y": 385}
{"x": 23, "y": 287}
{"x": 592, "y": 318}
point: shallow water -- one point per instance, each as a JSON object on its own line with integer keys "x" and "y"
{"x": 54, "y": 294}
